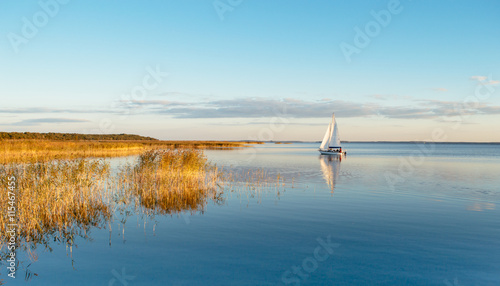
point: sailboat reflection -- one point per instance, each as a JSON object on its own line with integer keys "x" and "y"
{"x": 330, "y": 166}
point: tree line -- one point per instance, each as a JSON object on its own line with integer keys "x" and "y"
{"x": 70, "y": 136}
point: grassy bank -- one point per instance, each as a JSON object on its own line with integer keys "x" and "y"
{"x": 18, "y": 151}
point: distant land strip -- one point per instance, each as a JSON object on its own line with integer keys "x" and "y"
{"x": 71, "y": 136}
{"x": 425, "y": 142}
{"x": 346, "y": 141}
{"x": 39, "y": 147}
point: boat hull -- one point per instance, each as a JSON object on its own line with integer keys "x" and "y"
{"x": 327, "y": 152}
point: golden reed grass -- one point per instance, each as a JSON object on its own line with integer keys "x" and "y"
{"x": 19, "y": 151}
{"x": 55, "y": 200}
{"x": 171, "y": 181}
{"x": 62, "y": 199}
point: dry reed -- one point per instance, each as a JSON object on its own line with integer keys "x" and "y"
{"x": 171, "y": 181}
{"x": 60, "y": 200}
{"x": 21, "y": 151}
{"x": 55, "y": 200}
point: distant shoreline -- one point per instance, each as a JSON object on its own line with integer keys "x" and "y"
{"x": 403, "y": 142}
{"x": 426, "y": 142}
{"x": 133, "y": 137}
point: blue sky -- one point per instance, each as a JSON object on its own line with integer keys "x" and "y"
{"x": 252, "y": 69}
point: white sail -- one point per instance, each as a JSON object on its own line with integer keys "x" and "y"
{"x": 332, "y": 137}
{"x": 326, "y": 138}
{"x": 335, "y": 140}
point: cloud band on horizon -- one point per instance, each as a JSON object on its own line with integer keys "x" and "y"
{"x": 263, "y": 107}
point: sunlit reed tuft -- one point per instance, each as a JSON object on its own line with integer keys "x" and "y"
{"x": 171, "y": 181}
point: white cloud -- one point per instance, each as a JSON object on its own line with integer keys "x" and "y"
{"x": 38, "y": 121}
{"x": 442, "y": 89}
{"x": 390, "y": 96}
{"x": 484, "y": 80}
{"x": 479, "y": 77}
{"x": 267, "y": 108}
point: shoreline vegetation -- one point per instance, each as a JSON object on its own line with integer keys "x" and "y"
{"x": 71, "y": 136}
{"x": 61, "y": 200}
{"x": 40, "y": 147}
{"x": 65, "y": 188}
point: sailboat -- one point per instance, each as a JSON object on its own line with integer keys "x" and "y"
{"x": 331, "y": 142}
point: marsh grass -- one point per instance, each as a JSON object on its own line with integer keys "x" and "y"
{"x": 170, "y": 182}
{"x": 62, "y": 200}
{"x": 22, "y": 151}
{"x": 56, "y": 201}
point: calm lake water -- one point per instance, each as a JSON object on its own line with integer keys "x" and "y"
{"x": 386, "y": 214}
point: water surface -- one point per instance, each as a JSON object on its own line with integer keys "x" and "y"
{"x": 386, "y": 214}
